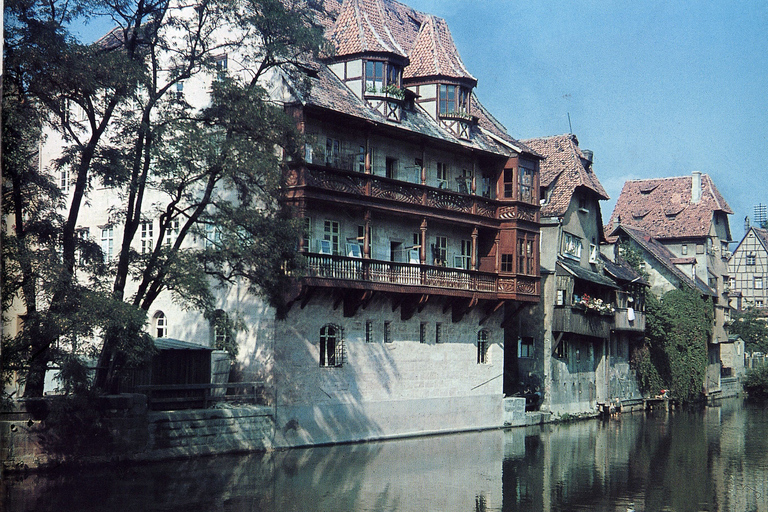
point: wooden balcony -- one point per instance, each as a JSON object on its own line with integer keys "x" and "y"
{"x": 368, "y": 274}
{"x": 350, "y": 186}
{"x": 580, "y": 321}
{"x": 622, "y": 322}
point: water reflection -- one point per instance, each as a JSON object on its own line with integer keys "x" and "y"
{"x": 711, "y": 459}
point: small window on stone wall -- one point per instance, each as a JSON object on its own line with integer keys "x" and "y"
{"x": 482, "y": 347}
{"x": 161, "y": 325}
{"x": 525, "y": 347}
{"x": 331, "y": 346}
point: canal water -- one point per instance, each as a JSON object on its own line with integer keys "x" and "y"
{"x": 713, "y": 458}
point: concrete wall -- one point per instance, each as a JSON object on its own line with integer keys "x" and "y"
{"x": 402, "y": 387}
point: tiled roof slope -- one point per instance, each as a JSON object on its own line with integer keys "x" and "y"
{"x": 328, "y": 92}
{"x": 563, "y": 170}
{"x": 364, "y": 26}
{"x": 662, "y": 207}
{"x": 360, "y": 26}
{"x": 434, "y": 53}
{"x": 664, "y": 256}
{"x": 391, "y": 27}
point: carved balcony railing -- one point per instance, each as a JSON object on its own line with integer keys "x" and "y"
{"x": 356, "y": 183}
{"x": 342, "y": 270}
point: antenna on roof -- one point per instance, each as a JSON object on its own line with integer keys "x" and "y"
{"x": 570, "y": 128}
{"x": 760, "y": 214}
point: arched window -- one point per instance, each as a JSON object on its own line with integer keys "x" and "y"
{"x": 161, "y": 325}
{"x": 482, "y": 347}
{"x": 331, "y": 346}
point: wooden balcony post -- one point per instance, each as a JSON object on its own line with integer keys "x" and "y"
{"x": 473, "y": 259}
{"x": 423, "y": 166}
{"x": 367, "y": 235}
{"x": 423, "y": 248}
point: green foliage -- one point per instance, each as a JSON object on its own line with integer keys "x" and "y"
{"x": 137, "y": 138}
{"x": 753, "y": 329}
{"x": 678, "y": 328}
{"x": 631, "y": 254}
{"x": 756, "y": 382}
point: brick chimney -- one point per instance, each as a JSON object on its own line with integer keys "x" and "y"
{"x": 696, "y": 187}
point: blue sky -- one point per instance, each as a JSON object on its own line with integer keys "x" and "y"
{"x": 654, "y": 88}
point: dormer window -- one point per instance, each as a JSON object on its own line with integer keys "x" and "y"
{"x": 453, "y": 98}
{"x": 374, "y": 76}
{"x": 379, "y": 75}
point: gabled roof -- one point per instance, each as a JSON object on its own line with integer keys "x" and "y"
{"x": 760, "y": 234}
{"x": 563, "y": 171}
{"x": 387, "y": 26}
{"x": 434, "y": 53}
{"x": 664, "y": 256}
{"x": 662, "y": 207}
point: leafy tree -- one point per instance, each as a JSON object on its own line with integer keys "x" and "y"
{"x": 141, "y": 139}
{"x": 753, "y": 329}
{"x": 678, "y": 327}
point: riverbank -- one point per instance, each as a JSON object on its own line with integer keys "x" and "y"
{"x": 122, "y": 428}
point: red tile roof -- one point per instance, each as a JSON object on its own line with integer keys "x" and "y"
{"x": 563, "y": 170}
{"x": 434, "y": 53}
{"x": 662, "y": 207}
{"x": 387, "y": 26}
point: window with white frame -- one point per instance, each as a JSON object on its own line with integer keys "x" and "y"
{"x": 571, "y": 246}
{"x": 751, "y": 259}
{"x": 331, "y": 346}
{"x": 221, "y": 66}
{"x": 331, "y": 234}
{"x": 146, "y": 236}
{"x": 171, "y": 232}
{"x": 593, "y": 253}
{"x": 758, "y": 282}
{"x": 212, "y": 236}
{"x": 160, "y": 324}
{"x": 307, "y": 235}
{"x": 465, "y": 259}
{"x": 442, "y": 175}
{"x": 482, "y": 347}
{"x": 64, "y": 180}
{"x": 107, "y": 242}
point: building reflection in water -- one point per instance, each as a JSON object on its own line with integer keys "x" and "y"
{"x": 715, "y": 458}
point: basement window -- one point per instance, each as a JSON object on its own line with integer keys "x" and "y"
{"x": 331, "y": 346}
{"x": 482, "y": 347}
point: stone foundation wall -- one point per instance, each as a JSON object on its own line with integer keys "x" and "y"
{"x": 129, "y": 432}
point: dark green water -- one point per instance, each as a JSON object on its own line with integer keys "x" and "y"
{"x": 713, "y": 459}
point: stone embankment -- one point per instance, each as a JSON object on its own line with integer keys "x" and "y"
{"x": 127, "y": 431}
